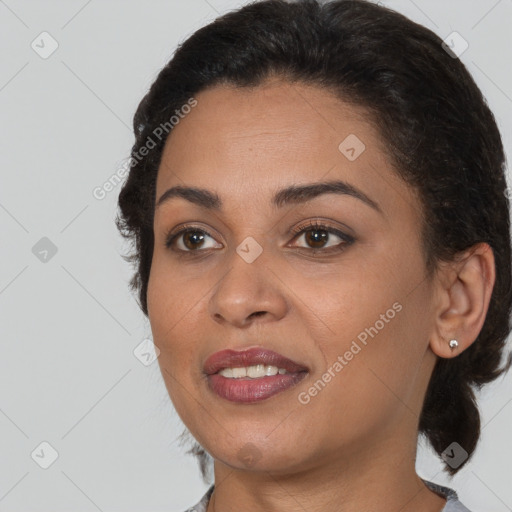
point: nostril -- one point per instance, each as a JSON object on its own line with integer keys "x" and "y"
{"x": 257, "y": 313}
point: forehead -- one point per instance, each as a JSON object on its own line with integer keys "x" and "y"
{"x": 254, "y": 141}
{"x": 292, "y": 119}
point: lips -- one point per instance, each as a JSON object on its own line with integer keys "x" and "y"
{"x": 250, "y": 357}
{"x": 246, "y": 390}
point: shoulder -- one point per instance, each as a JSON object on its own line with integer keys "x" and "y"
{"x": 202, "y": 504}
{"x": 452, "y": 500}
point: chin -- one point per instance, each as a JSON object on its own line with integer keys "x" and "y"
{"x": 253, "y": 454}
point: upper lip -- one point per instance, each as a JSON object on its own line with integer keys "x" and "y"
{"x": 253, "y": 356}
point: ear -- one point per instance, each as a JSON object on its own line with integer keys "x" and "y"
{"x": 464, "y": 291}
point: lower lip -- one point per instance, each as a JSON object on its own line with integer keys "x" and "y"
{"x": 246, "y": 390}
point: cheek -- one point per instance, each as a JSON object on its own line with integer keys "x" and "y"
{"x": 174, "y": 311}
{"x": 340, "y": 303}
{"x": 371, "y": 313}
{"x": 381, "y": 357}
{"x": 171, "y": 298}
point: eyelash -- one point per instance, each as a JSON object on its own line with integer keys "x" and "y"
{"x": 304, "y": 228}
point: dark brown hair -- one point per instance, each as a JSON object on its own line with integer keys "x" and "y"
{"x": 436, "y": 127}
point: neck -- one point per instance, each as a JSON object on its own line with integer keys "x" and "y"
{"x": 379, "y": 480}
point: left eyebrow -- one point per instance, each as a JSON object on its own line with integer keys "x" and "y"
{"x": 294, "y": 194}
{"x": 302, "y": 193}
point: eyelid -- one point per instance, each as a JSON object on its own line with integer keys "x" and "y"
{"x": 321, "y": 224}
{"x": 312, "y": 224}
{"x": 181, "y": 229}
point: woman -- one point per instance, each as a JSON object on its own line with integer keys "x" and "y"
{"x": 322, "y": 249}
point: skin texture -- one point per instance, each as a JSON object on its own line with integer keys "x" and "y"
{"x": 352, "y": 446}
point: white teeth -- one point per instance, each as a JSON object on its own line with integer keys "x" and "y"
{"x": 271, "y": 370}
{"x": 239, "y": 372}
{"x": 227, "y": 372}
{"x": 256, "y": 371}
{"x": 253, "y": 372}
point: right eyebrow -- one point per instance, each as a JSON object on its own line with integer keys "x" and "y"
{"x": 293, "y": 194}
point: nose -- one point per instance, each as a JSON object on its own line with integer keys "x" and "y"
{"x": 248, "y": 292}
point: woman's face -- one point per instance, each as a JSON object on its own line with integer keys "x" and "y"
{"x": 348, "y": 302}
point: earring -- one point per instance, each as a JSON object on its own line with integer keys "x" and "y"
{"x": 454, "y": 344}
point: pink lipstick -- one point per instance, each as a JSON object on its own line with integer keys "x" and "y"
{"x": 251, "y": 375}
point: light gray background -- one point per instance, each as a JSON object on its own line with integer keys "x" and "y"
{"x": 69, "y": 325}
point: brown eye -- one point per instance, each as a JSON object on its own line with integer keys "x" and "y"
{"x": 190, "y": 240}
{"x": 318, "y": 237}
